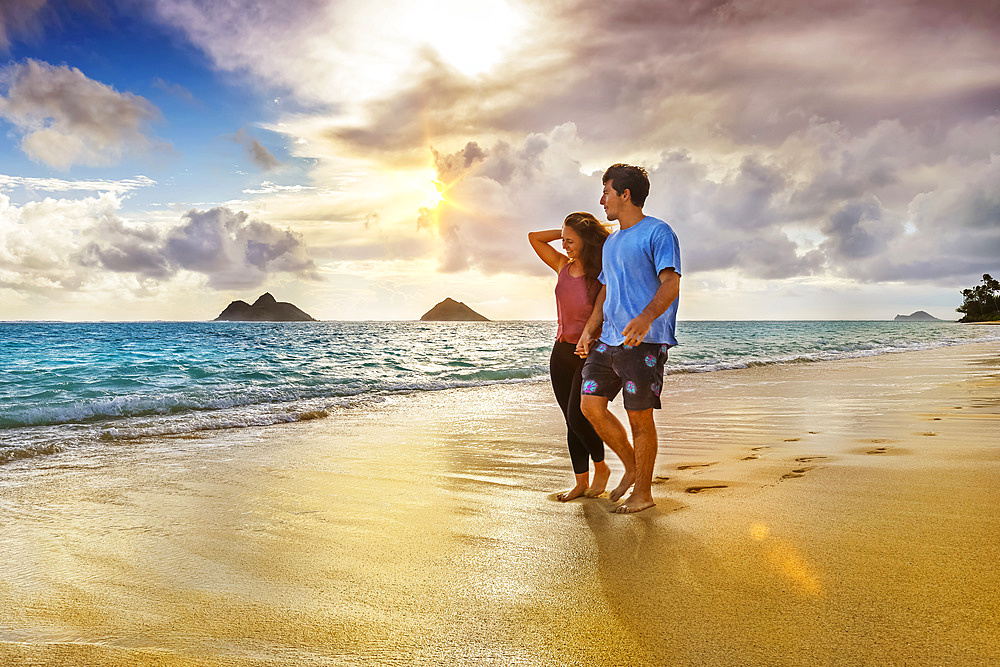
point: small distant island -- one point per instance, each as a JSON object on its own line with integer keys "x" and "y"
{"x": 264, "y": 309}
{"x": 919, "y": 316}
{"x": 450, "y": 310}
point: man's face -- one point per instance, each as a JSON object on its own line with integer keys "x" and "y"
{"x": 611, "y": 201}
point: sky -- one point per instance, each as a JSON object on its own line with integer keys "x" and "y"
{"x": 365, "y": 159}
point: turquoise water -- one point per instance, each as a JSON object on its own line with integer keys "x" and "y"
{"x": 78, "y": 385}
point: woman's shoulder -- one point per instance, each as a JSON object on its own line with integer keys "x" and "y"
{"x": 573, "y": 269}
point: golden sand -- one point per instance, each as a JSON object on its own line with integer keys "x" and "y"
{"x": 811, "y": 514}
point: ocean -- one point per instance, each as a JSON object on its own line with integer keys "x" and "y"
{"x": 73, "y": 388}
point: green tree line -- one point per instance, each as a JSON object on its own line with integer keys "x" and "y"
{"x": 982, "y": 302}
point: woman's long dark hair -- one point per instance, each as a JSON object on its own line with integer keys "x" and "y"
{"x": 593, "y": 234}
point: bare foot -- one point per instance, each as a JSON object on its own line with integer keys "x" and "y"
{"x": 601, "y": 475}
{"x": 575, "y": 492}
{"x": 633, "y": 505}
{"x": 622, "y": 487}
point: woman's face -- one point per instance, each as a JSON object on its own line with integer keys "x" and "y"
{"x": 571, "y": 241}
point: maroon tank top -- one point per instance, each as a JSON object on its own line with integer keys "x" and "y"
{"x": 573, "y": 305}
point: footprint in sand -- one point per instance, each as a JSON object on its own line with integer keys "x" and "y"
{"x": 692, "y": 466}
{"x": 753, "y": 457}
{"x": 798, "y": 472}
{"x": 878, "y": 450}
{"x": 929, "y": 433}
{"x": 707, "y": 487}
{"x": 792, "y": 439}
{"x": 660, "y": 479}
{"x": 807, "y": 459}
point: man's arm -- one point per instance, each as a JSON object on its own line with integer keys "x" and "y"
{"x": 592, "y": 329}
{"x": 666, "y": 293}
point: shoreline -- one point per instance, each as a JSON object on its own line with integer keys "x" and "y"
{"x": 830, "y": 512}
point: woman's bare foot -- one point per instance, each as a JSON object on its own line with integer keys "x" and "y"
{"x": 633, "y": 505}
{"x": 601, "y": 475}
{"x": 582, "y": 482}
{"x": 622, "y": 487}
{"x": 575, "y": 492}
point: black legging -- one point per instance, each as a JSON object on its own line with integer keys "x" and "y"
{"x": 584, "y": 443}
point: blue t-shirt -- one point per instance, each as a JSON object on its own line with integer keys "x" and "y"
{"x": 633, "y": 259}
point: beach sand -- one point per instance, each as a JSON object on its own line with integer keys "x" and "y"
{"x": 835, "y": 513}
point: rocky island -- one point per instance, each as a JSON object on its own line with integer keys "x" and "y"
{"x": 450, "y": 310}
{"x": 264, "y": 309}
{"x": 919, "y": 316}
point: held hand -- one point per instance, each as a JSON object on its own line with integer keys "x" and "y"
{"x": 583, "y": 346}
{"x": 636, "y": 330}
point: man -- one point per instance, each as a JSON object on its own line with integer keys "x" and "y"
{"x": 636, "y": 314}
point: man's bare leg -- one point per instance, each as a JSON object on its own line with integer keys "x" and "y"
{"x": 595, "y": 408}
{"x": 582, "y": 484}
{"x": 601, "y": 475}
{"x": 644, "y": 436}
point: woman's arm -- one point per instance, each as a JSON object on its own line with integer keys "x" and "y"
{"x": 540, "y": 244}
{"x": 592, "y": 330}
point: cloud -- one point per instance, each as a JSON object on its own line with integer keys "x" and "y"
{"x": 65, "y": 118}
{"x": 56, "y": 245}
{"x": 835, "y": 140}
{"x": 256, "y": 152}
{"x": 766, "y": 217}
{"x": 235, "y": 251}
{"x": 29, "y": 18}
{"x": 37, "y": 240}
{"x": 705, "y": 75}
{"x": 176, "y": 90}
{"x": 227, "y": 247}
{"x": 267, "y": 188}
{"x": 495, "y": 196}
{"x": 19, "y": 17}
{"x": 121, "y": 248}
{"x": 34, "y": 184}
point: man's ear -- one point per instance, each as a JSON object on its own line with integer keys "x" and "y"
{"x": 627, "y": 195}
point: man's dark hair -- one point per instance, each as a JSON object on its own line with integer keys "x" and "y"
{"x": 628, "y": 177}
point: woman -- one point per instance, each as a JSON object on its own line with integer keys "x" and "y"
{"x": 576, "y": 289}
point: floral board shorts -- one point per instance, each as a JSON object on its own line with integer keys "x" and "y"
{"x": 638, "y": 369}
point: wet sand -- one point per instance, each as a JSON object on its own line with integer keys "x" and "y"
{"x": 810, "y": 514}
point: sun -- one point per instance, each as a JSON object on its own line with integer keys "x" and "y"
{"x": 472, "y": 37}
{"x": 439, "y": 190}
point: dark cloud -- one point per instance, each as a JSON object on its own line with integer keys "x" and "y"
{"x": 230, "y": 249}
{"x": 176, "y": 90}
{"x": 28, "y": 19}
{"x": 735, "y": 221}
{"x": 709, "y": 72}
{"x": 65, "y": 118}
{"x": 457, "y": 164}
{"x": 19, "y": 17}
{"x": 852, "y": 232}
{"x": 126, "y": 250}
{"x": 256, "y": 152}
{"x": 234, "y": 251}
